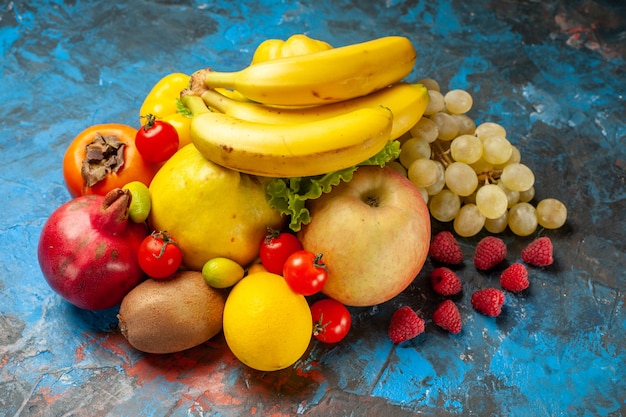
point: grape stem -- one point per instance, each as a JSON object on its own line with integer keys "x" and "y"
{"x": 441, "y": 155}
{"x": 489, "y": 177}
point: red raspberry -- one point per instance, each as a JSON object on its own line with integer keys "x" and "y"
{"x": 515, "y": 278}
{"x": 405, "y": 325}
{"x": 490, "y": 251}
{"x": 444, "y": 248}
{"x": 488, "y": 301}
{"x": 445, "y": 281}
{"x": 538, "y": 252}
{"x": 447, "y": 316}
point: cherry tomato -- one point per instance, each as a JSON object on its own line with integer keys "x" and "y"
{"x": 120, "y": 165}
{"x": 163, "y": 101}
{"x": 159, "y": 255}
{"x": 157, "y": 140}
{"x": 331, "y": 320}
{"x": 305, "y": 272}
{"x": 276, "y": 248}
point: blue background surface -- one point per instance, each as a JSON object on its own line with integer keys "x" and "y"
{"x": 552, "y": 73}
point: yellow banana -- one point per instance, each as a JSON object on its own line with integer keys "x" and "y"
{"x": 290, "y": 150}
{"x": 232, "y": 94}
{"x": 298, "y": 44}
{"x": 320, "y": 77}
{"x": 407, "y": 103}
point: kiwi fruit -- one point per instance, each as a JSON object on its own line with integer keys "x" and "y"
{"x": 171, "y": 315}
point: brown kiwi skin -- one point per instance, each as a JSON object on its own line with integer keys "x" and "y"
{"x": 171, "y": 315}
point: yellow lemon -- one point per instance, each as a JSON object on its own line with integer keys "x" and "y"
{"x": 267, "y": 326}
{"x": 222, "y": 272}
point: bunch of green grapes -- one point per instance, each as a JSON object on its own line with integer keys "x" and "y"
{"x": 472, "y": 175}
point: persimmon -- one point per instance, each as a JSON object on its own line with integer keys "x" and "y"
{"x": 103, "y": 157}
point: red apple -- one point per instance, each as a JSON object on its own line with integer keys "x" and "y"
{"x": 374, "y": 234}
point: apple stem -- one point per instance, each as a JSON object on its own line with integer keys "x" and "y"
{"x": 372, "y": 201}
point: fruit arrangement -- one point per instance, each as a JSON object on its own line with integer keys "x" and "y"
{"x": 269, "y": 202}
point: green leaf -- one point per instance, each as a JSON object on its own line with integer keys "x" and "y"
{"x": 182, "y": 109}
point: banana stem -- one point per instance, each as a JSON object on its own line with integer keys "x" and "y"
{"x": 213, "y": 79}
{"x": 217, "y": 101}
{"x": 194, "y": 103}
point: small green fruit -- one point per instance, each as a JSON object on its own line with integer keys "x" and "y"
{"x": 222, "y": 272}
{"x": 140, "y": 203}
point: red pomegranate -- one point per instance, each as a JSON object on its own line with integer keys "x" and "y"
{"x": 88, "y": 250}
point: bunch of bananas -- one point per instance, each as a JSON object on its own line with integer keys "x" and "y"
{"x": 306, "y": 113}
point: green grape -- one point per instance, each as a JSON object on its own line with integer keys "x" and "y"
{"x": 515, "y": 158}
{"x": 461, "y": 179}
{"x": 466, "y": 148}
{"x": 517, "y": 177}
{"x": 497, "y": 225}
{"x": 496, "y": 149}
{"x": 413, "y": 149}
{"x": 430, "y": 84}
{"x": 511, "y": 196}
{"x": 484, "y": 184}
{"x": 425, "y": 129}
{"x": 465, "y": 123}
{"x": 424, "y": 194}
{"x": 523, "y": 219}
{"x": 458, "y": 101}
{"x": 491, "y": 201}
{"x": 440, "y": 182}
{"x": 435, "y": 103}
{"x": 481, "y": 166}
{"x": 444, "y": 205}
{"x": 488, "y": 129}
{"x": 469, "y": 199}
{"x": 527, "y": 195}
{"x": 551, "y": 213}
{"x": 423, "y": 172}
{"x": 404, "y": 137}
{"x": 446, "y": 125}
{"x": 468, "y": 221}
{"x": 396, "y": 165}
